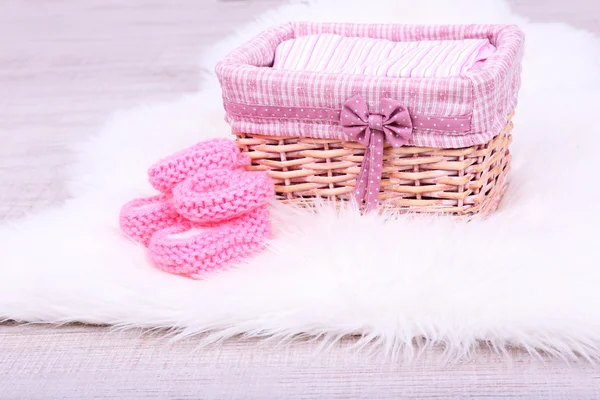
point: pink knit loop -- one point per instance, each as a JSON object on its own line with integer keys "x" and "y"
{"x": 218, "y": 194}
{"x": 141, "y": 218}
{"x": 195, "y": 252}
{"x": 210, "y": 154}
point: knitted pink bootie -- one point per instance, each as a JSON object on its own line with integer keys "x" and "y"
{"x": 194, "y": 252}
{"x": 217, "y": 195}
{"x": 209, "y": 154}
{"x": 227, "y": 220}
{"x": 140, "y": 218}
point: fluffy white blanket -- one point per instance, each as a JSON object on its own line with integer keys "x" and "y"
{"x": 529, "y": 276}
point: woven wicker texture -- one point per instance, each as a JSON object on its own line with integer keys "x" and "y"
{"x": 469, "y": 180}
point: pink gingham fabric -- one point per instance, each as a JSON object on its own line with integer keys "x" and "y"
{"x": 484, "y": 96}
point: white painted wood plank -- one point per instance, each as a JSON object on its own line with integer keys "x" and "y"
{"x": 66, "y": 65}
{"x": 76, "y": 362}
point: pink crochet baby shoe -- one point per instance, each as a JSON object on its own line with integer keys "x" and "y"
{"x": 209, "y": 154}
{"x": 227, "y": 219}
{"x": 197, "y": 251}
{"x": 218, "y": 195}
{"x": 140, "y": 218}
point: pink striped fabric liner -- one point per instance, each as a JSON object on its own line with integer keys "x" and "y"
{"x": 380, "y": 57}
{"x": 486, "y": 94}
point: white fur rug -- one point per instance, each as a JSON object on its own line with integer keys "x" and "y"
{"x": 529, "y": 276}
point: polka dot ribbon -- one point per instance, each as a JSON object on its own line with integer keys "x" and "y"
{"x": 393, "y": 125}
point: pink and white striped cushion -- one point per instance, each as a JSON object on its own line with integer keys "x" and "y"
{"x": 380, "y": 57}
{"x": 485, "y": 95}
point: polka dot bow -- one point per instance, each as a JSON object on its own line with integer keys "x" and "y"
{"x": 393, "y": 125}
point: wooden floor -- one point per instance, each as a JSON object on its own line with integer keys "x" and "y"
{"x": 64, "y": 66}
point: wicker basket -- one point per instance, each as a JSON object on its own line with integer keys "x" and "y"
{"x": 415, "y": 179}
{"x": 435, "y": 144}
